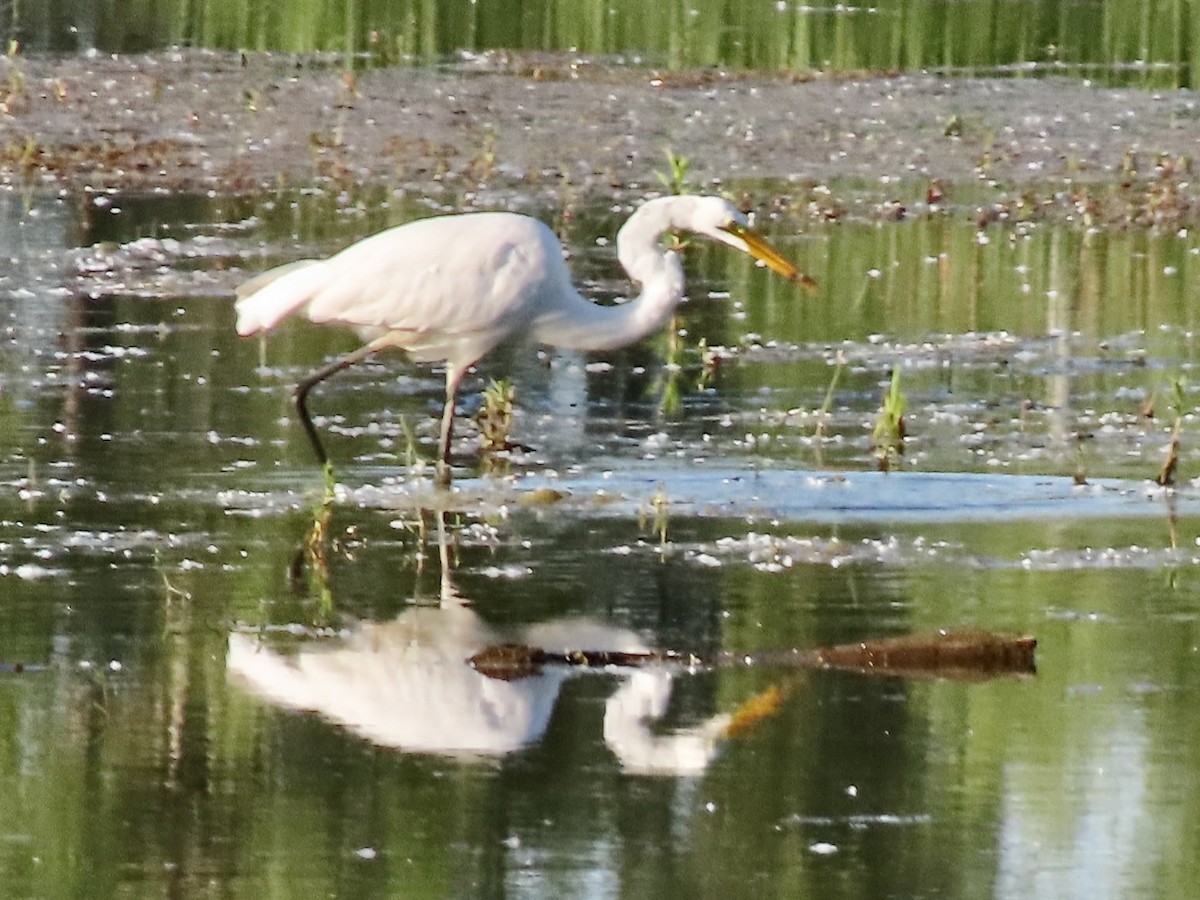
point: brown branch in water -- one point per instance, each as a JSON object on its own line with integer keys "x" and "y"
{"x": 512, "y": 662}
{"x": 969, "y": 655}
{"x": 1166, "y": 473}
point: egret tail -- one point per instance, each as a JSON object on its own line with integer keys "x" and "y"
{"x": 266, "y": 300}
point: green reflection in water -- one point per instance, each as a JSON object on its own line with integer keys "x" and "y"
{"x": 162, "y": 775}
{"x": 1037, "y": 348}
{"x": 132, "y": 418}
{"x": 1140, "y": 42}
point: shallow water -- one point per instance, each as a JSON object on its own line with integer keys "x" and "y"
{"x": 158, "y": 489}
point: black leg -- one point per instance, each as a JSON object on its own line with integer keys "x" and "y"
{"x": 302, "y": 389}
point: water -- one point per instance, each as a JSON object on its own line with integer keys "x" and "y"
{"x": 191, "y": 719}
{"x": 1127, "y": 41}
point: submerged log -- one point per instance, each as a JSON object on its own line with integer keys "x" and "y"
{"x": 969, "y": 655}
{"x": 965, "y": 655}
{"x": 510, "y": 662}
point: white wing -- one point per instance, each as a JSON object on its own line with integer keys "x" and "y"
{"x": 449, "y": 287}
{"x": 445, "y": 287}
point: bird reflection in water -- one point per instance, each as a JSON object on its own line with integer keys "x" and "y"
{"x": 408, "y": 684}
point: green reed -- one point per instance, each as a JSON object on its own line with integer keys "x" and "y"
{"x": 1147, "y": 42}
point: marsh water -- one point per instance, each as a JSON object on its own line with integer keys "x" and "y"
{"x": 186, "y": 710}
{"x": 217, "y": 679}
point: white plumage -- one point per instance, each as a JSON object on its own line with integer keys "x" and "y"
{"x": 450, "y": 288}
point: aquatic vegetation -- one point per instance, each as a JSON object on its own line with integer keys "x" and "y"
{"x": 411, "y": 456}
{"x": 1166, "y": 473}
{"x": 495, "y": 418}
{"x": 12, "y": 91}
{"x": 23, "y": 156}
{"x": 482, "y": 166}
{"x": 890, "y": 429}
{"x": 173, "y": 591}
{"x": 653, "y": 516}
{"x": 1122, "y": 41}
{"x": 822, "y": 414}
{"x": 675, "y": 178}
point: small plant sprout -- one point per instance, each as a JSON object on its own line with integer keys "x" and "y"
{"x": 329, "y": 483}
{"x": 173, "y": 592}
{"x": 710, "y": 365}
{"x": 411, "y": 457}
{"x": 890, "y": 429}
{"x": 654, "y": 516}
{"x": 29, "y": 154}
{"x": 823, "y": 413}
{"x": 483, "y": 166}
{"x": 1166, "y": 473}
{"x": 1079, "y": 476}
{"x": 661, "y": 504}
{"x": 316, "y": 538}
{"x": 675, "y": 179}
{"x": 314, "y": 554}
{"x": 496, "y": 417}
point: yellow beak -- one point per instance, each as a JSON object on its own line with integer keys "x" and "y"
{"x": 757, "y": 246}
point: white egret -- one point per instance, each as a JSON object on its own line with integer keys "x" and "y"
{"x": 408, "y": 684}
{"x": 450, "y": 288}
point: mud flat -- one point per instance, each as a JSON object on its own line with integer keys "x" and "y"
{"x": 536, "y": 126}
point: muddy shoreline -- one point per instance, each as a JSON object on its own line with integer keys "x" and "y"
{"x": 532, "y": 129}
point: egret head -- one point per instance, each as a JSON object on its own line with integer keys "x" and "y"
{"x": 721, "y": 221}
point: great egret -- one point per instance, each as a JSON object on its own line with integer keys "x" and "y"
{"x": 450, "y": 288}
{"x": 408, "y": 684}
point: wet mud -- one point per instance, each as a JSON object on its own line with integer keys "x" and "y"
{"x": 527, "y": 127}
